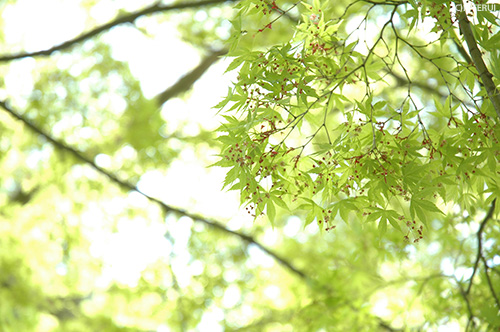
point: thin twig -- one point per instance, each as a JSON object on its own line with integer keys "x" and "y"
{"x": 400, "y": 80}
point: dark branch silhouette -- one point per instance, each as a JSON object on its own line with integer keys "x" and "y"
{"x": 186, "y": 81}
{"x": 402, "y": 81}
{"x": 479, "y": 234}
{"x": 59, "y": 144}
{"x": 130, "y": 18}
{"x": 489, "y": 282}
{"x": 470, "y": 319}
{"x": 466, "y": 292}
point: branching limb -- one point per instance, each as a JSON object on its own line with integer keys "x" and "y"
{"x": 167, "y": 208}
{"x": 465, "y": 293}
{"x": 427, "y": 88}
{"x": 386, "y": 327}
{"x": 488, "y": 280}
{"x": 130, "y": 18}
{"x": 477, "y": 59}
{"x": 480, "y": 244}
{"x": 470, "y": 319}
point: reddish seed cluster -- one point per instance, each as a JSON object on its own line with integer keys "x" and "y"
{"x": 481, "y": 134}
{"x": 316, "y": 46}
{"x": 288, "y": 78}
{"x": 326, "y": 220}
{"x": 268, "y": 26}
{"x": 250, "y": 210}
{"x": 268, "y": 7}
{"x": 380, "y": 126}
{"x": 286, "y": 75}
{"x": 398, "y": 190}
{"x": 429, "y": 145}
{"x": 264, "y": 132}
{"x": 484, "y": 127}
{"x": 357, "y": 128}
{"x": 238, "y": 154}
{"x": 441, "y": 14}
{"x": 413, "y": 230}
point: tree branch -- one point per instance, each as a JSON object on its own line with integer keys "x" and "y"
{"x": 490, "y": 284}
{"x": 130, "y": 18}
{"x": 167, "y": 208}
{"x": 459, "y": 47}
{"x": 480, "y": 244}
{"x": 465, "y": 292}
{"x": 186, "y": 81}
{"x": 386, "y": 327}
{"x": 400, "y": 80}
{"x": 470, "y": 319}
{"x": 479, "y": 63}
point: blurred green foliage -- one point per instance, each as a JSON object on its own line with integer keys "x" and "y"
{"x": 80, "y": 253}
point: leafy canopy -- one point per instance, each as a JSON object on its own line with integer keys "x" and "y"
{"x": 380, "y": 118}
{"x": 378, "y": 113}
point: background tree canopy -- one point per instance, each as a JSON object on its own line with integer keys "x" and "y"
{"x": 359, "y": 140}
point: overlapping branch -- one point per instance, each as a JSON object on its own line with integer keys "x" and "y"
{"x": 478, "y": 61}
{"x": 130, "y": 18}
{"x": 187, "y": 80}
{"x": 59, "y": 144}
{"x": 466, "y": 292}
{"x": 479, "y": 235}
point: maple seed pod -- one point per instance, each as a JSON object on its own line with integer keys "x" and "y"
{"x": 314, "y": 19}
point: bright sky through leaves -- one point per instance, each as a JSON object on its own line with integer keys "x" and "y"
{"x": 358, "y": 133}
